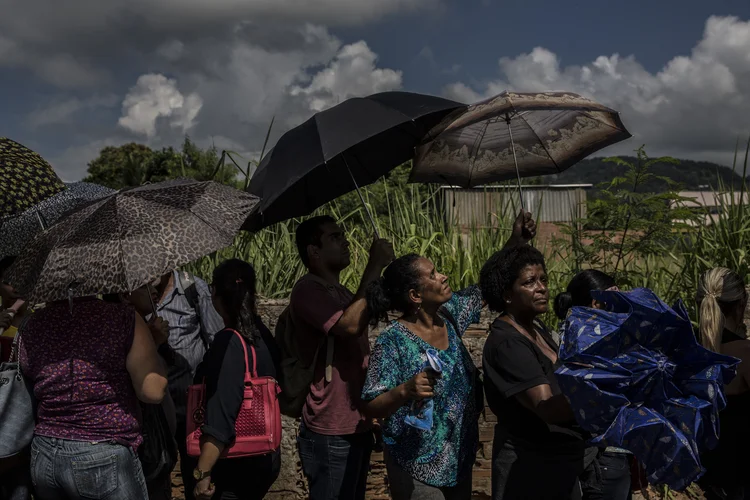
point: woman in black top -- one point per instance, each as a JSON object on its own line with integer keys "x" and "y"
{"x": 537, "y": 451}
{"x": 722, "y": 300}
{"x": 223, "y": 369}
{"x": 607, "y": 474}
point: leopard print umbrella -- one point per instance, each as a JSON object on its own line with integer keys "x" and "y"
{"x": 125, "y": 240}
{"x": 25, "y": 178}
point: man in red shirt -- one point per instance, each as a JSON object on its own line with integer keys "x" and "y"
{"x": 335, "y": 439}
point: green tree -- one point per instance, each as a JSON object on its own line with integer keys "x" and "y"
{"x": 204, "y": 165}
{"x": 627, "y": 224}
{"x": 136, "y": 164}
{"x": 120, "y": 166}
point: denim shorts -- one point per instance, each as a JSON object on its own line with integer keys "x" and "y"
{"x": 63, "y": 468}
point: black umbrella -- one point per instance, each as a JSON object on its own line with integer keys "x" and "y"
{"x": 340, "y": 149}
{"x": 123, "y": 241}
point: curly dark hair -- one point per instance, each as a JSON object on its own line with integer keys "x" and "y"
{"x": 391, "y": 291}
{"x": 502, "y": 269}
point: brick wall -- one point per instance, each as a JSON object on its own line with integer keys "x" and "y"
{"x": 291, "y": 483}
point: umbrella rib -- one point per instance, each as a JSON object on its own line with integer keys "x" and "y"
{"x": 391, "y": 108}
{"x": 602, "y": 122}
{"x": 203, "y": 220}
{"x": 477, "y": 145}
{"x": 540, "y": 141}
{"x": 63, "y": 236}
{"x": 122, "y": 248}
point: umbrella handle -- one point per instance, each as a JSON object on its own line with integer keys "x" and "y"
{"x": 515, "y": 161}
{"x": 362, "y": 198}
{"x": 153, "y": 304}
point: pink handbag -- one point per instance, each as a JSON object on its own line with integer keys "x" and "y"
{"x": 258, "y": 425}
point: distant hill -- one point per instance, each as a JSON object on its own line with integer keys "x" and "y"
{"x": 691, "y": 175}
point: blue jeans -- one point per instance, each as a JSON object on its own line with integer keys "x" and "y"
{"x": 336, "y": 467}
{"x": 62, "y": 469}
{"x": 607, "y": 478}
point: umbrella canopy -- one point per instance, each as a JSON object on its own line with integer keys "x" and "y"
{"x": 637, "y": 379}
{"x": 516, "y": 135}
{"x": 352, "y": 144}
{"x": 25, "y": 178}
{"x": 127, "y": 239}
{"x": 19, "y": 230}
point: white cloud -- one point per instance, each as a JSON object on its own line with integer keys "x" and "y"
{"x": 153, "y": 97}
{"x": 50, "y": 20}
{"x": 351, "y": 73}
{"x": 65, "y": 43}
{"x": 61, "y": 69}
{"x": 172, "y": 50}
{"x": 62, "y": 111}
{"x": 226, "y": 92}
{"x": 694, "y": 106}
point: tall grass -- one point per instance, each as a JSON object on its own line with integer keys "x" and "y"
{"x": 414, "y": 223}
{"x": 725, "y": 242}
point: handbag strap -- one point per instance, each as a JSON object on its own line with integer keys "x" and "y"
{"x": 244, "y": 348}
{"x": 15, "y": 350}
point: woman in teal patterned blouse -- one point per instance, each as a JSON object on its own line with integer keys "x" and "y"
{"x": 433, "y": 463}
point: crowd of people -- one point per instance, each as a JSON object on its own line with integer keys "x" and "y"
{"x": 110, "y": 379}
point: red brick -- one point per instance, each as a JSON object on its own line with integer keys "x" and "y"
{"x": 482, "y": 464}
{"x": 482, "y": 473}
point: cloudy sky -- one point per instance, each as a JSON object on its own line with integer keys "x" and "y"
{"x": 79, "y": 75}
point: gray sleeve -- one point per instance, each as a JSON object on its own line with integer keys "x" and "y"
{"x": 211, "y": 322}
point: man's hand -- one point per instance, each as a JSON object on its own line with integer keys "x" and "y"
{"x": 377, "y": 433}
{"x": 159, "y": 330}
{"x": 524, "y": 229}
{"x": 381, "y": 253}
{"x": 6, "y": 318}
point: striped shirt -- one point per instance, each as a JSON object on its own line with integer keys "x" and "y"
{"x": 190, "y": 334}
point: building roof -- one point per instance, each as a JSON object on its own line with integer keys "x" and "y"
{"x": 711, "y": 198}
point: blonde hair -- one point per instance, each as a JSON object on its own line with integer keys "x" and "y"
{"x": 717, "y": 287}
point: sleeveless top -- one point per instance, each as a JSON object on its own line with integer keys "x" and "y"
{"x": 76, "y": 365}
{"x": 727, "y": 464}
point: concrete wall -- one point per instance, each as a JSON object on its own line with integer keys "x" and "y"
{"x": 487, "y": 207}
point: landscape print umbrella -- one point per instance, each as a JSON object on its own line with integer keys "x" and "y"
{"x": 25, "y": 178}
{"x": 19, "y": 230}
{"x": 341, "y": 149}
{"x": 637, "y": 379}
{"x": 514, "y": 135}
{"x": 127, "y": 239}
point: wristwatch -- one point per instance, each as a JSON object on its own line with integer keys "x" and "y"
{"x": 200, "y": 475}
